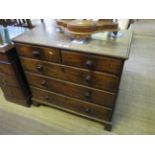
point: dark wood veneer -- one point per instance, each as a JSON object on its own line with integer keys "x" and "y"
{"x": 73, "y": 90}
{"x": 99, "y": 63}
{"x": 12, "y": 79}
{"x": 42, "y": 53}
{"x": 85, "y": 108}
{"x": 86, "y": 77}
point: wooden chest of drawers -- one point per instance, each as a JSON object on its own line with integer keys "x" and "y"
{"x": 75, "y": 78}
{"x": 12, "y": 79}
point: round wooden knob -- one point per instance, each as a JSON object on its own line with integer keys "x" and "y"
{"x": 88, "y": 78}
{"x": 87, "y": 110}
{"x": 36, "y": 53}
{"x": 88, "y": 95}
{"x": 44, "y": 83}
{"x": 89, "y": 64}
{"x": 39, "y": 67}
{"x": 47, "y": 97}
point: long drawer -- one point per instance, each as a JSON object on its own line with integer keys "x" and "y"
{"x": 79, "y": 106}
{"x": 72, "y": 90}
{"x": 42, "y": 53}
{"x": 99, "y": 63}
{"x": 80, "y": 76}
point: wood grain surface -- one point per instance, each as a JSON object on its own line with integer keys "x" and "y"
{"x": 72, "y": 90}
{"x": 86, "y": 77}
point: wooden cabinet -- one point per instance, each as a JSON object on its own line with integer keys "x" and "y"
{"x": 72, "y": 84}
{"x": 80, "y": 79}
{"x": 12, "y": 79}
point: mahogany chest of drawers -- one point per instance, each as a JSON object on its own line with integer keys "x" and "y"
{"x": 12, "y": 79}
{"x": 80, "y": 79}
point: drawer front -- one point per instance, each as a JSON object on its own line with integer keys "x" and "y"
{"x": 7, "y": 69}
{"x": 12, "y": 92}
{"x": 42, "y": 53}
{"x": 81, "y": 107}
{"x": 81, "y": 76}
{"x": 99, "y": 63}
{"x": 84, "y": 93}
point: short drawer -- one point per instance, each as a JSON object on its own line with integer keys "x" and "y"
{"x": 72, "y": 90}
{"x": 99, "y": 63}
{"x": 80, "y": 76}
{"x": 42, "y": 53}
{"x": 79, "y": 106}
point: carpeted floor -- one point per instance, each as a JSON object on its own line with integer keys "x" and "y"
{"x": 135, "y": 108}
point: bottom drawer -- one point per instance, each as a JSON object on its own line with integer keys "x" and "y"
{"x": 81, "y": 107}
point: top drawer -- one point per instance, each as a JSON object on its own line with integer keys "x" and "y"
{"x": 42, "y": 53}
{"x": 99, "y": 63}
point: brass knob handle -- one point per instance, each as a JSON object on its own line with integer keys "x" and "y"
{"x": 88, "y": 78}
{"x": 88, "y": 95}
{"x": 47, "y": 97}
{"x": 39, "y": 67}
{"x": 36, "y": 53}
{"x": 89, "y": 64}
{"x": 44, "y": 83}
{"x": 87, "y": 110}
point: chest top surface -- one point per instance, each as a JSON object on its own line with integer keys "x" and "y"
{"x": 46, "y": 35}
